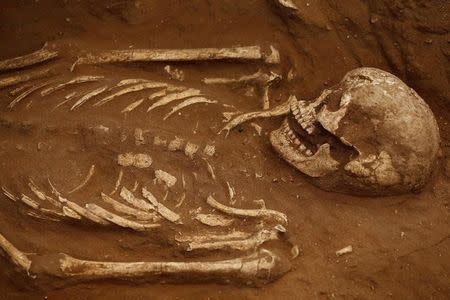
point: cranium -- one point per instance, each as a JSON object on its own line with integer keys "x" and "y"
{"x": 369, "y": 135}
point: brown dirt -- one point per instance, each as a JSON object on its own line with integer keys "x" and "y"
{"x": 401, "y": 244}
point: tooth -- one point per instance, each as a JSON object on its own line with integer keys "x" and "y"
{"x": 308, "y": 152}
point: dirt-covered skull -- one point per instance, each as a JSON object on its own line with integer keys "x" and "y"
{"x": 369, "y": 135}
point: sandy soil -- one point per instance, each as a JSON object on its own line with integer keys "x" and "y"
{"x": 401, "y": 244}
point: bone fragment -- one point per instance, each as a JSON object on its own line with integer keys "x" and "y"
{"x": 28, "y": 59}
{"x": 85, "y": 181}
{"x": 131, "y": 89}
{"x": 208, "y": 237}
{"x": 258, "y": 77}
{"x": 16, "y": 79}
{"x": 295, "y": 251}
{"x": 138, "y": 160}
{"x": 76, "y": 80}
{"x": 345, "y": 250}
{"x": 157, "y": 94}
{"x": 139, "y": 138}
{"x": 16, "y": 256}
{"x": 176, "y": 144}
{"x": 188, "y": 102}
{"x": 209, "y": 150}
{"x": 174, "y": 73}
{"x": 280, "y": 110}
{"x": 190, "y": 149}
{"x": 135, "y": 201}
{"x": 210, "y": 170}
{"x": 273, "y": 57}
{"x": 49, "y": 214}
{"x": 257, "y": 128}
{"x": 288, "y": 4}
{"x": 133, "y": 106}
{"x": 26, "y": 93}
{"x": 130, "y": 211}
{"x": 213, "y": 220}
{"x": 148, "y": 55}
{"x": 252, "y": 213}
{"x": 250, "y": 243}
{"x": 19, "y": 89}
{"x": 259, "y": 266}
{"x": 158, "y": 141}
{"x": 8, "y": 194}
{"x": 88, "y": 96}
{"x": 118, "y": 220}
{"x": 83, "y": 212}
{"x": 118, "y": 182}
{"x": 160, "y": 208}
{"x": 231, "y": 193}
{"x": 174, "y": 97}
{"x": 168, "y": 179}
{"x": 29, "y": 202}
{"x": 181, "y": 200}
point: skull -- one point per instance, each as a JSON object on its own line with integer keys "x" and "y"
{"x": 369, "y": 135}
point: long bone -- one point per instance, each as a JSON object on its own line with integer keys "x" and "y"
{"x": 23, "y": 77}
{"x": 26, "y": 60}
{"x": 118, "y": 220}
{"x": 188, "y": 102}
{"x": 200, "y": 54}
{"x": 248, "y": 243}
{"x": 252, "y": 213}
{"x": 134, "y": 88}
{"x": 261, "y": 266}
{"x": 127, "y": 210}
{"x": 281, "y": 110}
{"x": 76, "y": 80}
{"x": 160, "y": 208}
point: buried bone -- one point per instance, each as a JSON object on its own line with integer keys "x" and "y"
{"x": 200, "y": 54}
{"x": 16, "y": 79}
{"x": 127, "y": 210}
{"x": 188, "y": 102}
{"x": 27, "y": 60}
{"x": 76, "y": 80}
{"x": 134, "y": 88}
{"x": 160, "y": 208}
{"x": 138, "y": 160}
{"x": 166, "y": 178}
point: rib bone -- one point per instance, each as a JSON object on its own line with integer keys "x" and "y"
{"x": 133, "y": 106}
{"x": 26, "y": 93}
{"x": 253, "y": 213}
{"x": 213, "y": 220}
{"x": 28, "y": 59}
{"x": 88, "y": 96}
{"x": 85, "y": 181}
{"x": 125, "y": 209}
{"x": 139, "y": 203}
{"x": 280, "y": 110}
{"x": 131, "y": 89}
{"x": 174, "y": 97}
{"x": 160, "y": 208}
{"x": 83, "y": 212}
{"x": 76, "y": 80}
{"x": 15, "y": 79}
{"x": 118, "y": 220}
{"x": 188, "y": 102}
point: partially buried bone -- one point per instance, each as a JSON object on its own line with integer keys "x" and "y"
{"x": 160, "y": 208}
{"x": 118, "y": 182}
{"x": 132, "y": 106}
{"x": 130, "y": 211}
{"x": 252, "y": 213}
{"x": 83, "y": 212}
{"x": 200, "y": 54}
{"x": 166, "y": 178}
{"x": 118, "y": 220}
{"x": 131, "y": 89}
{"x": 261, "y": 266}
{"x": 138, "y": 160}
{"x": 281, "y": 110}
{"x": 190, "y": 149}
{"x": 174, "y": 97}
{"x": 88, "y": 96}
{"x": 188, "y": 102}
{"x": 26, "y": 93}
{"x": 139, "y": 203}
{"x": 76, "y": 80}
{"x": 248, "y": 243}
{"x": 213, "y": 220}
{"x": 28, "y": 59}
{"x": 16, "y": 79}
{"x": 85, "y": 181}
